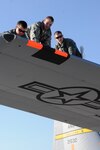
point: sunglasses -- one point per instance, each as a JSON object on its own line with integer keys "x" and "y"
{"x": 20, "y": 30}
{"x": 58, "y": 37}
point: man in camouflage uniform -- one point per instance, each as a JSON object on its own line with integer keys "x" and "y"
{"x": 41, "y": 32}
{"x": 20, "y": 29}
{"x": 66, "y": 44}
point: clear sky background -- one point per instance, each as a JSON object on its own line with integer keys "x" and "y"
{"x": 79, "y": 20}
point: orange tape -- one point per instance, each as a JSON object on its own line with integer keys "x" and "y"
{"x": 34, "y": 44}
{"x": 64, "y": 54}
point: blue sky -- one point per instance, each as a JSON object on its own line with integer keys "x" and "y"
{"x": 79, "y": 20}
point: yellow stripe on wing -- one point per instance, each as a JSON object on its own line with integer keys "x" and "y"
{"x": 72, "y": 133}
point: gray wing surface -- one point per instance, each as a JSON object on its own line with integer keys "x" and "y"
{"x": 68, "y": 91}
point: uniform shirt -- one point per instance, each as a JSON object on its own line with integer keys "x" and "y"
{"x": 13, "y": 31}
{"x": 69, "y": 46}
{"x": 39, "y": 34}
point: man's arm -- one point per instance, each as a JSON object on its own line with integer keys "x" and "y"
{"x": 74, "y": 50}
{"x": 47, "y": 38}
{"x": 34, "y": 32}
{"x": 48, "y": 41}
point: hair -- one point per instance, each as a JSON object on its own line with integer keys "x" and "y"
{"x": 50, "y": 17}
{"x": 22, "y": 23}
{"x": 58, "y": 32}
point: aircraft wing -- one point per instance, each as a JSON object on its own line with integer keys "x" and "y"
{"x": 49, "y": 83}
